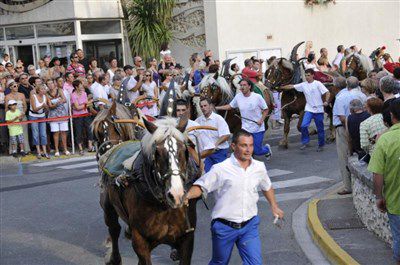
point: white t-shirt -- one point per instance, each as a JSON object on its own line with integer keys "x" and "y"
{"x": 208, "y": 137}
{"x": 250, "y": 107}
{"x": 337, "y": 59}
{"x": 131, "y": 83}
{"x": 99, "y": 91}
{"x": 313, "y": 93}
{"x": 111, "y": 73}
{"x": 195, "y": 133}
{"x": 149, "y": 88}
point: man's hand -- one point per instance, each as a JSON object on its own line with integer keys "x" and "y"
{"x": 325, "y": 104}
{"x": 381, "y": 204}
{"x": 276, "y": 211}
{"x": 260, "y": 122}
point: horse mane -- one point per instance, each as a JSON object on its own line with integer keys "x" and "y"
{"x": 165, "y": 127}
{"x": 208, "y": 80}
{"x": 285, "y": 63}
{"x": 364, "y": 60}
{"x": 121, "y": 113}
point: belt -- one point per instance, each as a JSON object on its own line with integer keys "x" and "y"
{"x": 233, "y": 224}
{"x": 340, "y": 125}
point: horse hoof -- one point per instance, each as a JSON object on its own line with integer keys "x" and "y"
{"x": 174, "y": 255}
{"x": 114, "y": 260}
{"x": 108, "y": 243}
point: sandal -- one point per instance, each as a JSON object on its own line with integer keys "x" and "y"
{"x": 57, "y": 154}
{"x": 81, "y": 152}
{"x": 46, "y": 156}
{"x": 39, "y": 156}
{"x": 67, "y": 153}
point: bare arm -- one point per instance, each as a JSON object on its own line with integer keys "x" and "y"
{"x": 287, "y": 87}
{"x": 378, "y": 188}
{"x": 264, "y": 115}
{"x": 224, "y": 107}
{"x": 270, "y": 196}
{"x": 193, "y": 193}
{"x": 327, "y": 95}
{"x": 222, "y": 139}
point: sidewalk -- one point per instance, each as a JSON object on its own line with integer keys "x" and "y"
{"x": 341, "y": 235}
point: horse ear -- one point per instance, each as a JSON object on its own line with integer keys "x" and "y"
{"x": 183, "y": 121}
{"x": 151, "y": 127}
{"x": 359, "y": 52}
{"x": 113, "y": 109}
{"x": 280, "y": 61}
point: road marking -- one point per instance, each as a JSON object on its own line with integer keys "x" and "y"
{"x": 73, "y": 166}
{"x": 92, "y": 170}
{"x": 298, "y": 182}
{"x": 278, "y": 172}
{"x": 293, "y": 195}
{"x": 64, "y": 161}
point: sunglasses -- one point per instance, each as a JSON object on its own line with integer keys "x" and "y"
{"x": 75, "y": 57}
{"x": 147, "y": 75}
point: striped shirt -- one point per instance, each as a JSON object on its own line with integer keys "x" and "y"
{"x": 369, "y": 128}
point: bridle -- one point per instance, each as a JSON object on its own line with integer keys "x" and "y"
{"x": 278, "y": 76}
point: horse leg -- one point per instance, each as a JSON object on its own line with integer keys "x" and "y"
{"x": 300, "y": 121}
{"x": 286, "y": 129}
{"x": 114, "y": 229}
{"x": 331, "y": 137}
{"x": 185, "y": 249}
{"x": 141, "y": 247}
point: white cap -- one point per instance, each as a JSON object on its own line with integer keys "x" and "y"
{"x": 12, "y": 102}
{"x": 10, "y": 81}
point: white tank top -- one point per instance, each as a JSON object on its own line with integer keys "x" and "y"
{"x": 40, "y": 113}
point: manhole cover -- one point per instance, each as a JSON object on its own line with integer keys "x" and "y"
{"x": 351, "y": 223}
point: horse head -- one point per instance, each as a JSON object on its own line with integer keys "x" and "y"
{"x": 166, "y": 154}
{"x": 279, "y": 72}
{"x": 353, "y": 65}
{"x": 107, "y": 131}
{"x": 216, "y": 89}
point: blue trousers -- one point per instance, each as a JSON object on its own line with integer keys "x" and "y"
{"x": 215, "y": 158}
{"x": 247, "y": 241}
{"x": 259, "y": 149}
{"x": 319, "y": 122}
{"x": 394, "y": 222}
{"x": 39, "y": 133}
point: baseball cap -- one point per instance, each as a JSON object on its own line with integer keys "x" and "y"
{"x": 12, "y": 102}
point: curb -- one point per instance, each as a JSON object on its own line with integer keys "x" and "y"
{"x": 321, "y": 237}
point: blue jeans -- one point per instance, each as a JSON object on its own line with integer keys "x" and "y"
{"x": 39, "y": 133}
{"x": 259, "y": 149}
{"x": 394, "y": 222}
{"x": 319, "y": 122}
{"x": 247, "y": 240}
{"x": 215, "y": 158}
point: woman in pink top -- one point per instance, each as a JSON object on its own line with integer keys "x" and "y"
{"x": 79, "y": 102}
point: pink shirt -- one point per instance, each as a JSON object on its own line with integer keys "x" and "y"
{"x": 68, "y": 88}
{"x": 82, "y": 99}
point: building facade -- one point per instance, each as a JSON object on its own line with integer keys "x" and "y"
{"x": 32, "y": 29}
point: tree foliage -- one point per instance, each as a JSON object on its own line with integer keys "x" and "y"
{"x": 147, "y": 25}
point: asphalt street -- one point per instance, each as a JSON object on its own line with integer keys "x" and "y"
{"x": 50, "y": 212}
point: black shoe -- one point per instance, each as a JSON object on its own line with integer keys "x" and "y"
{"x": 23, "y": 153}
{"x": 15, "y": 154}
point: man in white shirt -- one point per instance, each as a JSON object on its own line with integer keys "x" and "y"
{"x": 313, "y": 91}
{"x": 253, "y": 110}
{"x": 100, "y": 90}
{"x": 355, "y": 89}
{"x": 338, "y": 58}
{"x": 235, "y": 183}
{"x": 214, "y": 143}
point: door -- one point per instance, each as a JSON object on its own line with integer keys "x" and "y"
{"x": 25, "y": 53}
{"x": 103, "y": 50}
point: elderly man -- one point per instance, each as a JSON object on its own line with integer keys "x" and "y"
{"x": 385, "y": 166}
{"x": 314, "y": 91}
{"x": 357, "y": 116}
{"x": 389, "y": 88}
{"x": 215, "y": 143}
{"x": 353, "y": 85}
{"x": 341, "y": 110}
{"x": 234, "y": 218}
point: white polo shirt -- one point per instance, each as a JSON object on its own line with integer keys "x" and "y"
{"x": 235, "y": 189}
{"x": 250, "y": 107}
{"x": 99, "y": 91}
{"x": 193, "y": 134}
{"x": 208, "y": 137}
{"x": 131, "y": 83}
{"x": 313, "y": 93}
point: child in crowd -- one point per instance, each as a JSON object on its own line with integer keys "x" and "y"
{"x": 15, "y": 131}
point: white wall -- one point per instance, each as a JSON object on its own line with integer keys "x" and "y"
{"x": 244, "y": 25}
{"x": 66, "y": 9}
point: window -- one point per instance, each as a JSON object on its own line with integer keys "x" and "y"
{"x": 16, "y": 33}
{"x": 101, "y": 27}
{"x": 54, "y": 30}
{"x": 240, "y": 56}
{"x": 1, "y": 34}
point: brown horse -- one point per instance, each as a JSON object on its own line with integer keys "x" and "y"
{"x": 220, "y": 93}
{"x": 108, "y": 132}
{"x": 282, "y": 72}
{"x": 150, "y": 197}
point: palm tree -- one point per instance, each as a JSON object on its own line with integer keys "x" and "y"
{"x": 147, "y": 25}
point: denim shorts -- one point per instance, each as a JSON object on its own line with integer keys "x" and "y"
{"x": 394, "y": 222}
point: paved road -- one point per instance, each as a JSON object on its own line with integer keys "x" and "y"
{"x": 50, "y": 212}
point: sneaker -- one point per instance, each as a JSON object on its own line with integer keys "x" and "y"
{"x": 39, "y": 156}
{"x": 23, "y": 153}
{"x": 14, "y": 154}
{"x": 57, "y": 154}
{"x": 268, "y": 155}
{"x": 46, "y": 156}
{"x": 320, "y": 148}
{"x": 91, "y": 150}
{"x": 304, "y": 146}
{"x": 67, "y": 153}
